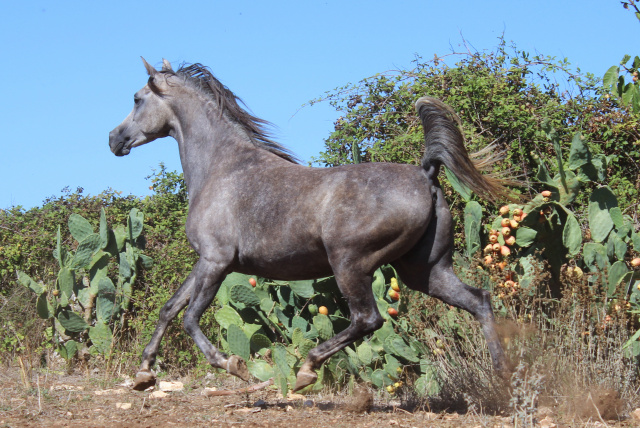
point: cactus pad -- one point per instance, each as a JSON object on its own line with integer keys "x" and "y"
{"x": 245, "y": 295}
{"x": 79, "y": 227}
{"x": 238, "y": 342}
{"x": 303, "y": 289}
{"x": 323, "y": 324}
{"x": 227, "y": 316}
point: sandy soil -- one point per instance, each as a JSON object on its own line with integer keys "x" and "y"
{"x": 59, "y": 400}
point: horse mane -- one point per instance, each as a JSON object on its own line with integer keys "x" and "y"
{"x": 202, "y": 79}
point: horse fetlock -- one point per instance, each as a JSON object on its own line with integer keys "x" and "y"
{"x": 144, "y": 379}
{"x": 237, "y": 367}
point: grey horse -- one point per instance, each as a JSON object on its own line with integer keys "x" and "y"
{"x": 253, "y": 209}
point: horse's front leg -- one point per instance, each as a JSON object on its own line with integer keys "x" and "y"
{"x": 365, "y": 318}
{"x": 145, "y": 376}
{"x": 208, "y": 277}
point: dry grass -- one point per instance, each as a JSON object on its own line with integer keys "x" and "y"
{"x": 566, "y": 354}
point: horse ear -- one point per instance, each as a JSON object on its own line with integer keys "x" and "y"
{"x": 150, "y": 70}
{"x": 166, "y": 65}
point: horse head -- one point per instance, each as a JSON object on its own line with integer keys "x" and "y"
{"x": 151, "y": 116}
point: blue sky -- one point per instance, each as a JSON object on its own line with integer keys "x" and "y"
{"x": 71, "y": 68}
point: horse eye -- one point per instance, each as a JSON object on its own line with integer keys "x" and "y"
{"x": 136, "y": 100}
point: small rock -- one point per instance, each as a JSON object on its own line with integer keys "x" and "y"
{"x": 206, "y": 391}
{"x": 123, "y": 406}
{"x": 118, "y": 391}
{"x": 636, "y": 414}
{"x": 547, "y": 422}
{"x": 308, "y": 403}
{"x": 66, "y": 388}
{"x": 260, "y": 403}
{"x": 158, "y": 394}
{"x": 128, "y": 382}
{"x": 288, "y": 409}
{"x": 170, "y": 386}
{"x": 294, "y": 397}
{"x": 246, "y": 410}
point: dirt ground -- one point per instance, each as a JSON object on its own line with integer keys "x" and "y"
{"x": 62, "y": 400}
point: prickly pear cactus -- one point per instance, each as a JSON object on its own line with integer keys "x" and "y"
{"x": 84, "y": 304}
{"x": 283, "y": 321}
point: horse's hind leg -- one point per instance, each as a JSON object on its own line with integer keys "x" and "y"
{"x": 441, "y": 282}
{"x": 365, "y": 318}
{"x": 429, "y": 268}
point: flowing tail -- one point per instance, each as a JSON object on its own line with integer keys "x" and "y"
{"x": 445, "y": 145}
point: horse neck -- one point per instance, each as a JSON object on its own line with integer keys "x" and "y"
{"x": 209, "y": 144}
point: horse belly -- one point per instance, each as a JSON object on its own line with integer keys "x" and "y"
{"x": 290, "y": 257}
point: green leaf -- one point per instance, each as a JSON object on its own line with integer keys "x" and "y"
{"x": 243, "y": 294}
{"x": 68, "y": 349}
{"x": 616, "y": 273}
{"x": 29, "y": 283}
{"x": 71, "y": 321}
{"x": 610, "y": 78}
{"x": 297, "y": 336}
{"x": 125, "y": 270}
{"x": 120, "y": 238}
{"x": 106, "y": 300}
{"x": 616, "y": 217}
{"x": 472, "y": 225}
{"x": 60, "y": 253}
{"x": 280, "y": 358}
{"x": 66, "y": 279}
{"x": 525, "y": 236}
{"x": 378, "y": 284}
{"x": 457, "y": 185}
{"x": 595, "y": 256}
{"x": 104, "y": 231}
{"x": 303, "y": 289}
{"x": 427, "y": 385}
{"x": 600, "y": 222}
{"x": 44, "y": 309}
{"x": 403, "y": 350}
{"x": 259, "y": 341}
{"x": 79, "y": 227}
{"x": 101, "y": 338}
{"x": 365, "y": 353}
{"x": 324, "y": 326}
{"x": 146, "y": 261}
{"x": 572, "y": 235}
{"x": 227, "y": 316}
{"x": 260, "y": 369}
{"x": 135, "y": 223}
{"x": 579, "y": 154}
{"x": 238, "y": 342}
{"x": 305, "y": 346}
{"x": 378, "y": 378}
{"x": 85, "y": 251}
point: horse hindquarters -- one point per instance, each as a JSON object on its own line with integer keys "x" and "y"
{"x": 428, "y": 268}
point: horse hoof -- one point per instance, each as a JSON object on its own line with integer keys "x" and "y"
{"x": 237, "y": 367}
{"x": 144, "y": 379}
{"x": 305, "y": 378}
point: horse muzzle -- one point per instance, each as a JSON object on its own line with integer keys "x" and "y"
{"x": 119, "y": 145}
